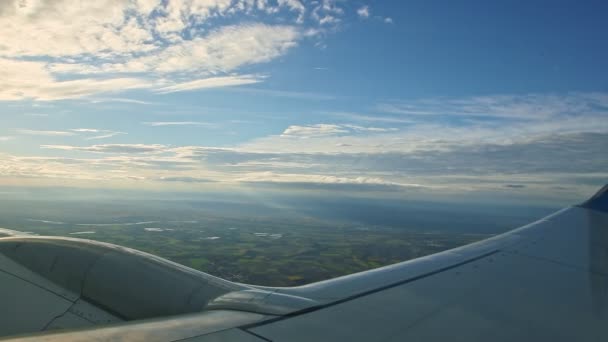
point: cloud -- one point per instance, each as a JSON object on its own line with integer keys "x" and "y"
{"x": 105, "y": 135}
{"x": 288, "y": 94}
{"x": 111, "y": 148}
{"x": 570, "y": 160}
{"x": 99, "y": 134}
{"x": 388, "y": 20}
{"x": 46, "y": 133}
{"x": 85, "y": 130}
{"x": 531, "y": 106}
{"x": 356, "y": 128}
{"x": 363, "y": 12}
{"x": 186, "y": 179}
{"x": 121, "y": 100}
{"x": 320, "y": 130}
{"x": 312, "y": 130}
{"x": 315, "y": 181}
{"x": 177, "y": 123}
{"x": 21, "y": 80}
{"x": 370, "y": 117}
{"x": 66, "y": 49}
{"x": 212, "y": 82}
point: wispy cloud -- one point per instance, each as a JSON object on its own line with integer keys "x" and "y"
{"x": 314, "y": 181}
{"x": 313, "y": 130}
{"x": 122, "y": 100}
{"x": 178, "y": 123}
{"x": 111, "y": 148}
{"x": 323, "y": 130}
{"x": 377, "y": 118}
{"x": 85, "y": 130}
{"x": 186, "y": 179}
{"x": 532, "y": 106}
{"x": 289, "y": 94}
{"x": 212, "y": 82}
{"x": 32, "y": 80}
{"x": 97, "y": 133}
{"x": 46, "y": 133}
{"x": 105, "y": 135}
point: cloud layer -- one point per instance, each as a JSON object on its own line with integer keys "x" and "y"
{"x": 534, "y": 143}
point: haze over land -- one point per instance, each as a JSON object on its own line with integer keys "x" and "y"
{"x": 307, "y": 240}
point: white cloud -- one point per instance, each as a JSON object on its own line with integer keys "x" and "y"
{"x": 363, "y": 12}
{"x": 46, "y": 133}
{"x": 388, "y": 20}
{"x": 105, "y": 135}
{"x": 222, "y": 50}
{"x": 326, "y": 130}
{"x": 79, "y": 49}
{"x": 99, "y": 133}
{"x": 283, "y": 93}
{"x": 177, "y": 123}
{"x": 31, "y": 80}
{"x": 329, "y": 20}
{"x": 121, "y": 100}
{"x": 313, "y": 130}
{"x": 85, "y": 130}
{"x": 294, "y": 5}
{"x": 531, "y": 106}
{"x": 212, "y": 82}
{"x": 186, "y": 179}
{"x": 323, "y": 181}
{"x": 112, "y": 148}
{"x": 420, "y": 125}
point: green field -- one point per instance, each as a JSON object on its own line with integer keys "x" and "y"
{"x": 260, "y": 251}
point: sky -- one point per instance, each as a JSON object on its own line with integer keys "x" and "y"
{"x": 386, "y": 98}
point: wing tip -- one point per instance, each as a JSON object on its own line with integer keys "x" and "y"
{"x": 599, "y": 201}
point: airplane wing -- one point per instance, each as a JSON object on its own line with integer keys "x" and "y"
{"x": 546, "y": 281}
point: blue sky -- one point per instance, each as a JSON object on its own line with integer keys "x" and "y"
{"x": 379, "y": 97}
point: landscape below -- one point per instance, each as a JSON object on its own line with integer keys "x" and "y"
{"x": 260, "y": 246}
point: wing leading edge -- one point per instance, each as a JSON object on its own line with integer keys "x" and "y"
{"x": 546, "y": 281}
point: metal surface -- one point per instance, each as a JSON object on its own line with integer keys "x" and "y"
{"x": 30, "y": 302}
{"x": 176, "y": 328}
{"x": 127, "y": 283}
{"x": 57, "y": 283}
